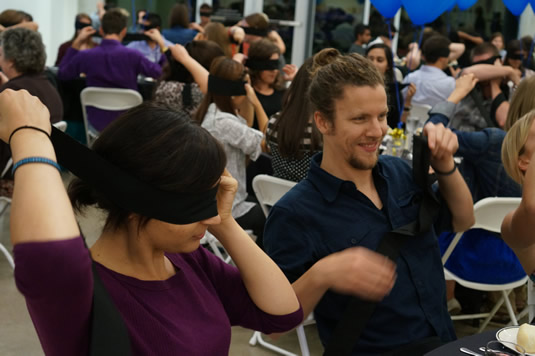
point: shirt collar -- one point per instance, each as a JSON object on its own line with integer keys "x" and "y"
{"x": 108, "y": 42}
{"x": 328, "y": 185}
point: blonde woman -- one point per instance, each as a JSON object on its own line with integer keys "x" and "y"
{"x": 518, "y": 155}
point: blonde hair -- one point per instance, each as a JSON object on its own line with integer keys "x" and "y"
{"x": 522, "y": 102}
{"x": 513, "y": 146}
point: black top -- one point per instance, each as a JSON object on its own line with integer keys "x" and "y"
{"x": 272, "y": 104}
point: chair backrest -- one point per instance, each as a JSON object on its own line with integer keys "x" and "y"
{"x": 489, "y": 214}
{"x": 112, "y": 99}
{"x": 269, "y": 190}
{"x": 418, "y": 115}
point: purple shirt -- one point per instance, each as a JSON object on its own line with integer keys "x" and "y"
{"x": 189, "y": 314}
{"x": 154, "y": 55}
{"x": 109, "y": 65}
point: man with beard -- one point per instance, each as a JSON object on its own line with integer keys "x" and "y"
{"x": 323, "y": 233}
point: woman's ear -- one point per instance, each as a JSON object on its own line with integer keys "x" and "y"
{"x": 523, "y": 163}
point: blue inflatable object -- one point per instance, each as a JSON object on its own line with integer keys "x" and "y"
{"x": 515, "y": 6}
{"x": 465, "y": 4}
{"x": 387, "y": 8}
{"x": 425, "y": 11}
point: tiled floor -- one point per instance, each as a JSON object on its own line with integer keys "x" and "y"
{"x": 18, "y": 337}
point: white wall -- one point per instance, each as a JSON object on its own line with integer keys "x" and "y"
{"x": 55, "y": 19}
{"x": 527, "y": 23}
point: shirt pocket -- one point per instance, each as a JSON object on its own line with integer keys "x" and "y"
{"x": 409, "y": 206}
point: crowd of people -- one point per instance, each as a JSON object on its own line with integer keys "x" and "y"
{"x": 223, "y": 98}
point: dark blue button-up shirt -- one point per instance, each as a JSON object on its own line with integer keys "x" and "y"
{"x": 324, "y": 214}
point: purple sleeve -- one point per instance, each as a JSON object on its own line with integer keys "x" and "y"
{"x": 239, "y": 307}
{"x": 56, "y": 280}
{"x": 148, "y": 68}
{"x": 69, "y": 68}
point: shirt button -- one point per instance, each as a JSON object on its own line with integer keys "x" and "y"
{"x": 353, "y": 241}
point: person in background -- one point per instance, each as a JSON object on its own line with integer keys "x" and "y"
{"x": 497, "y": 40}
{"x": 109, "y": 65}
{"x": 266, "y": 79}
{"x": 150, "y": 48}
{"x": 381, "y": 56}
{"x": 179, "y": 30}
{"x": 81, "y": 20}
{"x": 22, "y": 61}
{"x": 183, "y": 83}
{"x": 362, "y": 37}
{"x": 291, "y": 135}
{"x": 219, "y": 115}
{"x": 205, "y": 13}
{"x": 228, "y": 38}
{"x": 515, "y": 58}
{"x": 432, "y": 84}
{"x": 171, "y": 295}
{"x": 16, "y": 19}
{"x": 137, "y": 27}
{"x": 480, "y": 256}
{"x": 256, "y": 26}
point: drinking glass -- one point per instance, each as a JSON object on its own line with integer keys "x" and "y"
{"x": 504, "y": 348}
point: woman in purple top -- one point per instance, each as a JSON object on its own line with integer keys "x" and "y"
{"x": 173, "y": 296}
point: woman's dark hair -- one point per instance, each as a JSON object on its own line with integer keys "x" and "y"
{"x": 389, "y": 75}
{"x": 224, "y": 68}
{"x": 79, "y": 17}
{"x": 203, "y": 52}
{"x": 296, "y": 114}
{"x": 262, "y": 50}
{"x": 159, "y": 146}
{"x": 179, "y": 16}
{"x": 513, "y": 48}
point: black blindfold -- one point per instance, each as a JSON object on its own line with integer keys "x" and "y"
{"x": 255, "y": 31}
{"x": 491, "y": 60}
{"x": 128, "y": 192}
{"x": 519, "y": 56}
{"x": 268, "y": 64}
{"x": 220, "y": 86}
{"x": 78, "y": 25}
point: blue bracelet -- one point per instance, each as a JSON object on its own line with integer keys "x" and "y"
{"x": 34, "y": 160}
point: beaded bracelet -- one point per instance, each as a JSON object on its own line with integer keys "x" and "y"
{"x": 27, "y": 127}
{"x": 34, "y": 160}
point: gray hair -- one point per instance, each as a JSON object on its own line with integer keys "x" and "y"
{"x": 25, "y": 48}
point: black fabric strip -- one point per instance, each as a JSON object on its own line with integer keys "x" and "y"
{"x": 220, "y": 86}
{"x": 491, "y": 60}
{"x": 268, "y": 64}
{"x": 127, "y": 191}
{"x": 255, "y": 31}
{"x": 205, "y": 13}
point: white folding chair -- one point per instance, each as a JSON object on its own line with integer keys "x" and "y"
{"x": 5, "y": 201}
{"x": 489, "y": 214}
{"x": 112, "y": 99}
{"x": 268, "y": 191}
{"x": 216, "y": 247}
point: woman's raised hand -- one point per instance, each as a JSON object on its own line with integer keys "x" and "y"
{"x": 228, "y": 186}
{"x": 19, "y": 108}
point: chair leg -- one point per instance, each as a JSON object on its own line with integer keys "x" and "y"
{"x": 302, "y": 340}
{"x": 509, "y": 308}
{"x": 494, "y": 310}
{"x": 257, "y": 338}
{"x": 8, "y": 256}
